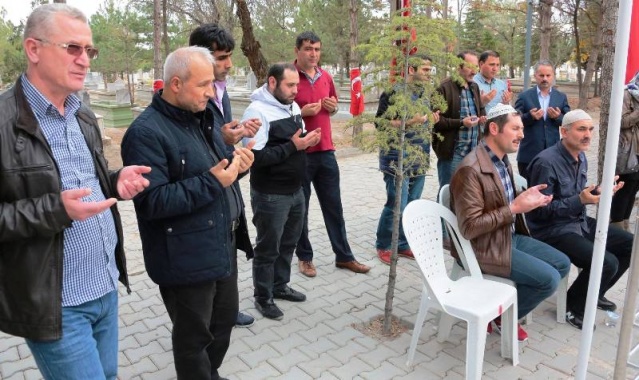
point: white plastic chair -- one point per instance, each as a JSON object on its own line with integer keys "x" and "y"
{"x": 472, "y": 298}
{"x": 457, "y": 271}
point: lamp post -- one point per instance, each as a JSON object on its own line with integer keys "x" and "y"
{"x": 529, "y": 7}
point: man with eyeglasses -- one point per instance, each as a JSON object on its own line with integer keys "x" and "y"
{"x": 61, "y": 249}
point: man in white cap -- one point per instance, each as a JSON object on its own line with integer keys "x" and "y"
{"x": 563, "y": 222}
{"x": 490, "y": 215}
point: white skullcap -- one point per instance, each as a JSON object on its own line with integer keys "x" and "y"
{"x": 573, "y": 116}
{"x": 500, "y": 109}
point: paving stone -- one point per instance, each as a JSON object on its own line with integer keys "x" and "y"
{"x": 144, "y": 366}
{"x": 384, "y": 371}
{"x": 166, "y": 373}
{"x": 345, "y": 333}
{"x": 319, "y": 347}
{"x": 378, "y": 355}
{"x": 137, "y": 354}
{"x": 349, "y": 351}
{"x": 162, "y": 359}
{"x": 9, "y": 355}
{"x": 262, "y": 371}
{"x": 295, "y": 373}
{"x": 283, "y": 363}
{"x": 232, "y": 365}
{"x": 255, "y": 358}
{"x": 16, "y": 367}
{"x": 317, "y": 366}
{"x": 32, "y": 374}
{"x": 292, "y": 342}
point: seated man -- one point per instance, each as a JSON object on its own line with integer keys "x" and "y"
{"x": 563, "y": 223}
{"x": 491, "y": 217}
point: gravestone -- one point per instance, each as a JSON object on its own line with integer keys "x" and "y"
{"x": 117, "y": 85}
{"x": 84, "y": 97}
{"x": 251, "y": 82}
{"x": 122, "y": 96}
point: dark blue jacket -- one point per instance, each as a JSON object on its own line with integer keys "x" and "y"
{"x": 388, "y": 158}
{"x": 539, "y": 134}
{"x": 183, "y": 215}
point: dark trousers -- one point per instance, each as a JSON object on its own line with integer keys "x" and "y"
{"x": 323, "y": 172}
{"x": 278, "y": 220}
{"x": 580, "y": 248}
{"x": 203, "y": 316}
{"x": 624, "y": 200}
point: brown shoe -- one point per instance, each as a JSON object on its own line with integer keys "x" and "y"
{"x": 307, "y": 268}
{"x": 353, "y": 266}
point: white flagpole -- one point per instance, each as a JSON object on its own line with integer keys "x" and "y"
{"x": 610, "y": 160}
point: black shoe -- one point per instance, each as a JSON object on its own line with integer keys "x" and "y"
{"x": 289, "y": 294}
{"x": 604, "y": 303}
{"x": 244, "y": 320}
{"x": 269, "y": 309}
{"x": 575, "y": 320}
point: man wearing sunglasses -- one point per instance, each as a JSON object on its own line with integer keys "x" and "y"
{"x": 61, "y": 251}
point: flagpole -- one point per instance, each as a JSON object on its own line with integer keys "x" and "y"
{"x": 607, "y": 182}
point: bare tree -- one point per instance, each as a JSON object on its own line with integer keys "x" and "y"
{"x": 593, "y": 58}
{"x": 609, "y": 9}
{"x": 545, "y": 27}
{"x": 157, "y": 39}
{"x": 165, "y": 29}
{"x": 250, "y": 45}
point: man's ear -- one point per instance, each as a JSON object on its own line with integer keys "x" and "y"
{"x": 32, "y": 49}
{"x": 175, "y": 84}
{"x": 272, "y": 82}
{"x": 493, "y": 128}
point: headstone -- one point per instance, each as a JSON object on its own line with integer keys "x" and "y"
{"x": 122, "y": 96}
{"x": 117, "y": 85}
{"x": 251, "y": 82}
{"x": 84, "y": 97}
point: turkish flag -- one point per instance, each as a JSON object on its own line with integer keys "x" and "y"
{"x": 633, "y": 47}
{"x": 158, "y": 84}
{"x": 357, "y": 97}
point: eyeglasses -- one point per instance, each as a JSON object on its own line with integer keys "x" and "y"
{"x": 74, "y": 49}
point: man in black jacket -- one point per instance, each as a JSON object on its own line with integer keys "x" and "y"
{"x": 61, "y": 249}
{"x": 221, "y": 44}
{"x": 191, "y": 217}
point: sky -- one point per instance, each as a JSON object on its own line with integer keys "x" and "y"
{"x": 19, "y": 9}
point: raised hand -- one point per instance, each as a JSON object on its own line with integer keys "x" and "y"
{"x": 232, "y": 132}
{"x": 245, "y": 156}
{"x": 530, "y": 200}
{"x": 487, "y": 97}
{"x": 131, "y": 182}
{"x": 311, "y": 139}
{"x": 311, "y": 109}
{"x": 226, "y": 175}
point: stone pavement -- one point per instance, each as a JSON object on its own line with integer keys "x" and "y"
{"x": 316, "y": 340}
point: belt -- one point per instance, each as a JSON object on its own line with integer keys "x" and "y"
{"x": 235, "y": 224}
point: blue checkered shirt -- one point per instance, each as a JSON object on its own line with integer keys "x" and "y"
{"x": 502, "y": 168}
{"x": 467, "y": 139}
{"x": 89, "y": 268}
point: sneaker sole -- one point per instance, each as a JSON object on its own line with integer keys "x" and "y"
{"x": 245, "y": 326}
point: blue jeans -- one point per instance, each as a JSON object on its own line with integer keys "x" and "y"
{"x": 444, "y": 172}
{"x": 278, "y": 220}
{"x": 536, "y": 269}
{"x": 323, "y": 172}
{"x": 411, "y": 189}
{"x": 88, "y": 348}
{"x": 454, "y": 164}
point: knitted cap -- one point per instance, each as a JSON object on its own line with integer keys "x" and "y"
{"x": 573, "y": 116}
{"x": 500, "y": 109}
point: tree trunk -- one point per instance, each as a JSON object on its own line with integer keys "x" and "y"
{"x": 591, "y": 68}
{"x": 165, "y": 29}
{"x": 575, "y": 27}
{"x": 251, "y": 46}
{"x": 545, "y": 27}
{"x": 445, "y": 9}
{"x": 608, "y": 25}
{"x": 157, "y": 37}
{"x": 354, "y": 60}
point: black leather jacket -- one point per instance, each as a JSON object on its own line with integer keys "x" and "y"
{"x": 33, "y": 218}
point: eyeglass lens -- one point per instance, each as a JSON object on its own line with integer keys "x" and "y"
{"x": 76, "y": 50}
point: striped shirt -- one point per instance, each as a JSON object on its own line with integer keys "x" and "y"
{"x": 89, "y": 268}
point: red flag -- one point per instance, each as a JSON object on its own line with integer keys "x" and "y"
{"x": 633, "y": 49}
{"x": 357, "y": 97}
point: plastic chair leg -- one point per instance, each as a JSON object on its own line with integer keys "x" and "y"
{"x": 446, "y": 323}
{"x": 475, "y": 347}
{"x": 509, "y": 343}
{"x": 419, "y": 323}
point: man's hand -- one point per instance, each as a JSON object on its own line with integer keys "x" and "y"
{"x": 435, "y": 117}
{"x": 506, "y": 97}
{"x": 245, "y": 156}
{"x": 470, "y": 121}
{"x": 530, "y": 200}
{"x": 232, "y": 132}
{"x": 251, "y": 126}
{"x": 226, "y": 175}
{"x": 482, "y": 120}
{"x": 553, "y": 112}
{"x": 79, "y": 210}
{"x": 587, "y": 197}
{"x": 330, "y": 104}
{"x": 537, "y": 113}
{"x": 487, "y": 97}
{"x": 131, "y": 182}
{"x": 617, "y": 186}
{"x": 311, "y": 109}
{"x": 311, "y": 139}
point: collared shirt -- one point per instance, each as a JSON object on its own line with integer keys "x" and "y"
{"x": 485, "y": 86}
{"x": 467, "y": 139}
{"x": 312, "y": 80}
{"x": 544, "y": 100}
{"x": 566, "y": 178}
{"x": 89, "y": 268}
{"x": 220, "y": 88}
{"x": 502, "y": 168}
